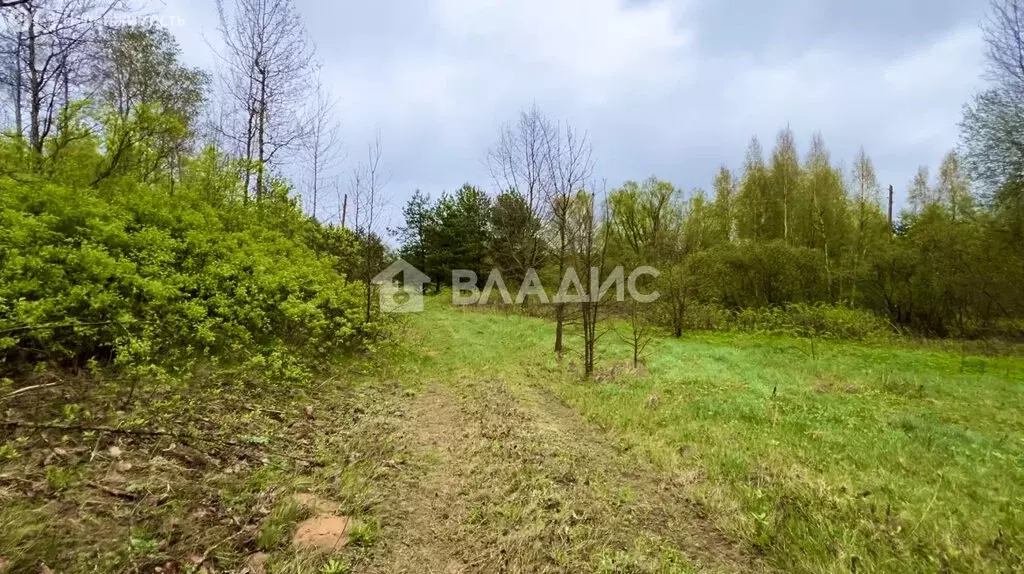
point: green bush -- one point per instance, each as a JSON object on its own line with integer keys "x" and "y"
{"x": 129, "y": 272}
{"x": 804, "y": 320}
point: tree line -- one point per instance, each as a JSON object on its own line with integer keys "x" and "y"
{"x": 789, "y": 228}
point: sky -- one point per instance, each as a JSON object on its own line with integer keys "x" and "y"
{"x": 666, "y": 88}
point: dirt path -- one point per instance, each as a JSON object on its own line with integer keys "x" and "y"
{"x": 506, "y": 479}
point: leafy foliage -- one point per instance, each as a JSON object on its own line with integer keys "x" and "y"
{"x": 131, "y": 273}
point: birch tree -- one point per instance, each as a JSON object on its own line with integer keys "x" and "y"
{"x": 268, "y": 65}
{"x": 366, "y": 188}
{"x": 48, "y": 45}
{"x": 322, "y": 146}
{"x": 520, "y": 167}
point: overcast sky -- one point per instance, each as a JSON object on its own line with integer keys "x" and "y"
{"x": 672, "y": 88}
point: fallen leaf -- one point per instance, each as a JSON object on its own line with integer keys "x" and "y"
{"x": 114, "y": 452}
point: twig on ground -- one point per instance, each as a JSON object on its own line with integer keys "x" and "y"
{"x": 24, "y": 390}
{"x": 114, "y": 492}
{"x": 183, "y": 438}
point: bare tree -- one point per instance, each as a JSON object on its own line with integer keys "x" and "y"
{"x": 518, "y": 163}
{"x": 570, "y": 165}
{"x": 322, "y": 147}
{"x": 366, "y": 188}
{"x": 587, "y": 230}
{"x": 641, "y": 331}
{"x": 520, "y": 159}
{"x": 268, "y": 70}
{"x": 12, "y": 51}
{"x": 1003, "y": 35}
{"x": 48, "y": 46}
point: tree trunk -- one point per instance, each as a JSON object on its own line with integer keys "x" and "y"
{"x": 560, "y": 307}
{"x": 261, "y": 142}
{"x": 18, "y": 88}
{"x": 316, "y": 176}
{"x": 35, "y": 89}
{"x": 369, "y": 300}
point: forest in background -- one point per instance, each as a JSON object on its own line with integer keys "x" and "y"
{"x": 147, "y": 212}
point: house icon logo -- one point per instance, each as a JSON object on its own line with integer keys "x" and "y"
{"x": 403, "y": 297}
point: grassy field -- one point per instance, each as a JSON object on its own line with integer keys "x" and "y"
{"x": 858, "y": 458}
{"x": 468, "y": 447}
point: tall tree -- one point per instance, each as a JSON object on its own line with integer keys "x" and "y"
{"x": 460, "y": 233}
{"x": 865, "y": 182}
{"x": 322, "y": 145}
{"x": 50, "y": 45}
{"x": 724, "y": 206}
{"x": 953, "y": 188}
{"x": 151, "y": 98}
{"x": 589, "y": 233}
{"x": 367, "y": 189}
{"x": 866, "y": 209}
{"x": 415, "y": 235}
{"x": 785, "y": 180}
{"x": 754, "y": 202}
{"x": 269, "y": 66}
{"x": 920, "y": 194}
{"x": 828, "y": 224}
{"x": 516, "y": 244}
{"x": 570, "y": 165}
{"x": 521, "y": 159}
{"x": 993, "y": 124}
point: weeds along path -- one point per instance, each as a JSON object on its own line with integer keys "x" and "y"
{"x": 503, "y": 478}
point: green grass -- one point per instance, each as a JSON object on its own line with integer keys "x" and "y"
{"x": 864, "y": 457}
{"x": 274, "y": 530}
{"x": 469, "y": 443}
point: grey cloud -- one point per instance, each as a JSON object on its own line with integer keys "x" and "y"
{"x": 672, "y": 88}
{"x": 786, "y": 28}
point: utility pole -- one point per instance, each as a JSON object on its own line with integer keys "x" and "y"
{"x": 890, "y": 208}
{"x": 344, "y": 210}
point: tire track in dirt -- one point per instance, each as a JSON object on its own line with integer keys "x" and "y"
{"x": 424, "y": 538}
{"x": 510, "y": 480}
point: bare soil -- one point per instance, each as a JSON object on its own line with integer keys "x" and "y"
{"x": 509, "y": 480}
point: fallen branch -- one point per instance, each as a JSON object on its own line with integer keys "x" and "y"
{"x": 24, "y": 390}
{"x": 114, "y": 492}
{"x": 182, "y": 438}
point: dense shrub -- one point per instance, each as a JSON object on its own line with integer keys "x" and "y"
{"x": 803, "y": 320}
{"x": 132, "y": 273}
